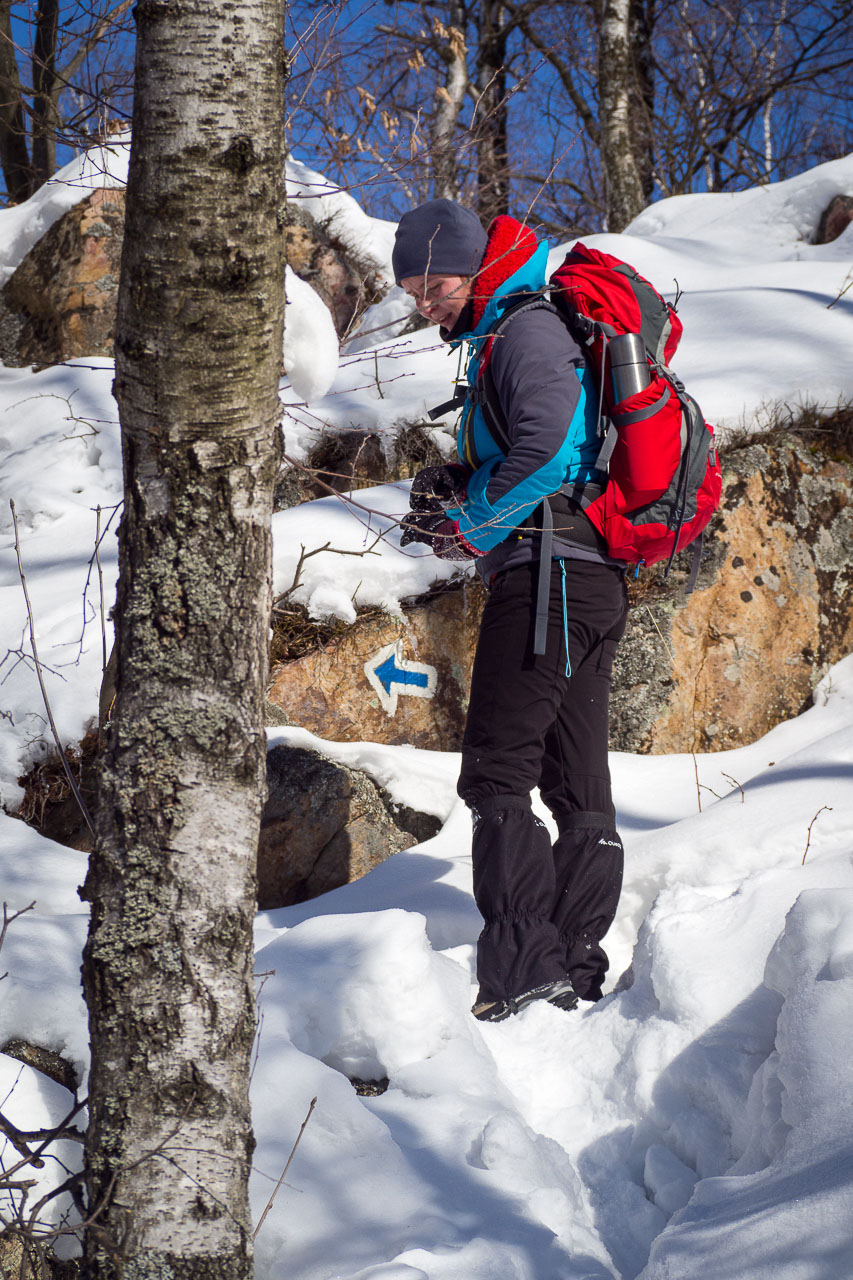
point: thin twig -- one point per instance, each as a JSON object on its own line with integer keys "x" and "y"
{"x": 259, "y": 1023}
{"x": 7, "y": 919}
{"x": 376, "y": 369}
{"x": 698, "y": 783}
{"x": 848, "y": 284}
{"x": 823, "y": 807}
{"x": 74, "y": 788}
{"x": 728, "y": 777}
{"x": 286, "y": 1167}
{"x": 306, "y": 555}
{"x": 17, "y": 1139}
{"x": 660, "y": 633}
{"x": 95, "y": 562}
{"x": 101, "y": 590}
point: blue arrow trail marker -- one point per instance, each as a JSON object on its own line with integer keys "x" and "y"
{"x": 390, "y": 674}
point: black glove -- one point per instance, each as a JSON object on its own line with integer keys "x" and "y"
{"x": 436, "y": 488}
{"x": 436, "y": 531}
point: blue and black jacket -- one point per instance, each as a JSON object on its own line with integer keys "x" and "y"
{"x": 539, "y": 385}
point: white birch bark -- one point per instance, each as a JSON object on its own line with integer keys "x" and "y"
{"x": 168, "y": 963}
{"x": 767, "y": 114}
{"x": 449, "y": 99}
{"x": 623, "y": 183}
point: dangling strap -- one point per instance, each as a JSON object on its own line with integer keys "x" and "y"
{"x": 694, "y": 568}
{"x": 543, "y": 592}
{"x": 599, "y": 426}
{"x": 565, "y": 619}
{"x": 456, "y": 402}
{"x": 683, "y": 480}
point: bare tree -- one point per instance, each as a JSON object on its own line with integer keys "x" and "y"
{"x": 491, "y": 120}
{"x": 746, "y": 92}
{"x": 617, "y": 92}
{"x": 449, "y": 97}
{"x": 583, "y": 110}
{"x": 434, "y": 119}
{"x": 76, "y": 58}
{"x": 14, "y": 153}
{"x": 168, "y": 963}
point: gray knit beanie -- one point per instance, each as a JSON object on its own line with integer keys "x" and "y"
{"x": 440, "y": 237}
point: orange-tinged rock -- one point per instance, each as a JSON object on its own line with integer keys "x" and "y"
{"x": 772, "y": 611}
{"x": 61, "y": 301}
{"x": 329, "y": 692}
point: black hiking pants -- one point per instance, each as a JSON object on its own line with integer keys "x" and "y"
{"x": 530, "y": 724}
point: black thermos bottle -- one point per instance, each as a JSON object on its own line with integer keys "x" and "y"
{"x": 629, "y": 368}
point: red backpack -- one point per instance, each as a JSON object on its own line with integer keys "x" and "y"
{"x": 664, "y": 480}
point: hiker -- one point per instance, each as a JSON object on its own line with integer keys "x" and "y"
{"x": 535, "y": 719}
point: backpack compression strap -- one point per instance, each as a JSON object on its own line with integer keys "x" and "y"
{"x": 483, "y": 394}
{"x": 494, "y": 418}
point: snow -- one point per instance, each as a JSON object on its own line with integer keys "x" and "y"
{"x": 698, "y": 1122}
{"x": 24, "y": 225}
{"x": 362, "y": 525}
{"x": 371, "y": 238}
{"x": 310, "y": 348}
{"x": 60, "y": 460}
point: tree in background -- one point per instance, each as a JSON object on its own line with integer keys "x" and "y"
{"x": 582, "y": 110}
{"x": 168, "y": 962}
{"x": 662, "y": 97}
{"x": 618, "y": 134}
{"x": 750, "y": 91}
{"x": 417, "y": 101}
{"x": 449, "y": 101}
{"x": 64, "y": 70}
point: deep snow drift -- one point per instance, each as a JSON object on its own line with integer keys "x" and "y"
{"x": 698, "y": 1122}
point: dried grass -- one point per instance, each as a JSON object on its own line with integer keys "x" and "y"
{"x": 826, "y": 430}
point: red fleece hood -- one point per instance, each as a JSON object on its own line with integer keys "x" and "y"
{"x": 509, "y": 246}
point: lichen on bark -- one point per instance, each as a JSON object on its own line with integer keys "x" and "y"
{"x": 168, "y": 963}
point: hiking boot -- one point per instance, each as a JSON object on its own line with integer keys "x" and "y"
{"x": 560, "y": 992}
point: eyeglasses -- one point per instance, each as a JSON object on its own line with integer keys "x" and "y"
{"x": 443, "y": 288}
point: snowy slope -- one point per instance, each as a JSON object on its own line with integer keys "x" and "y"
{"x": 701, "y": 1112}
{"x": 696, "y": 1123}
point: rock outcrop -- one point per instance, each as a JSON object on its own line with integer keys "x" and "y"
{"x": 346, "y": 281}
{"x": 771, "y": 612}
{"x": 61, "y": 300}
{"x": 329, "y": 691}
{"x": 323, "y": 826}
{"x": 835, "y": 219}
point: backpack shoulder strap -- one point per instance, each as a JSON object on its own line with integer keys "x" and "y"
{"x": 495, "y": 419}
{"x": 484, "y": 392}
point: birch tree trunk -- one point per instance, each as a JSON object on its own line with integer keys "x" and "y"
{"x": 491, "y": 121}
{"x": 616, "y": 80}
{"x": 168, "y": 963}
{"x": 449, "y": 99}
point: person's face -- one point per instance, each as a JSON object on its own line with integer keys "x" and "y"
{"x": 440, "y": 299}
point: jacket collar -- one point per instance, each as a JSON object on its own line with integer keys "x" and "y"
{"x": 515, "y": 262}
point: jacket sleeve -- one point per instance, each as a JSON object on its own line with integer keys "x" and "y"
{"x": 536, "y": 369}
